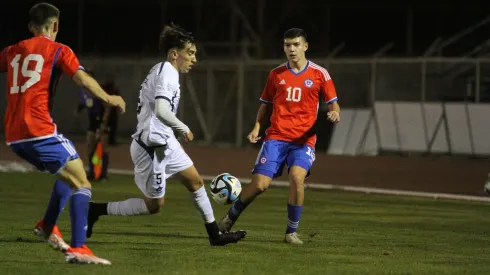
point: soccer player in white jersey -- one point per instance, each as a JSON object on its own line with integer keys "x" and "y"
{"x": 156, "y": 152}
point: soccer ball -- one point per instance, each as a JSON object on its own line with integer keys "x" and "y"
{"x": 225, "y": 188}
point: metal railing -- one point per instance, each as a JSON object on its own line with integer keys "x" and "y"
{"x": 220, "y": 97}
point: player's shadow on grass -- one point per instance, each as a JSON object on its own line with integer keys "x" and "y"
{"x": 27, "y": 240}
{"x": 20, "y": 240}
{"x": 150, "y": 234}
{"x": 145, "y": 234}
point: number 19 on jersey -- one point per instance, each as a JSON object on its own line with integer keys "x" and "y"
{"x": 33, "y": 75}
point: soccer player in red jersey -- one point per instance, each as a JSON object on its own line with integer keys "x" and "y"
{"x": 291, "y": 99}
{"x": 34, "y": 67}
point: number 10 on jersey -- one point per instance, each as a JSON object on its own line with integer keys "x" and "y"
{"x": 294, "y": 94}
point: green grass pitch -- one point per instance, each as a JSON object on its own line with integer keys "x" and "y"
{"x": 344, "y": 233}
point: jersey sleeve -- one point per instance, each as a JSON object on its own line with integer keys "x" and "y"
{"x": 3, "y": 61}
{"x": 269, "y": 90}
{"x": 68, "y": 61}
{"x": 328, "y": 91}
{"x": 165, "y": 84}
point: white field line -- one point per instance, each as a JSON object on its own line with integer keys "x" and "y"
{"x": 6, "y": 166}
{"x": 323, "y": 186}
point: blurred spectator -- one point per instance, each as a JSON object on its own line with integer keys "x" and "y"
{"x": 98, "y": 120}
{"x": 111, "y": 88}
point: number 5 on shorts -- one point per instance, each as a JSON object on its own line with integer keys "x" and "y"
{"x": 158, "y": 178}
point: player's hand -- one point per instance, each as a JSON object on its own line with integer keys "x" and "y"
{"x": 187, "y": 137}
{"x": 333, "y": 116}
{"x": 253, "y": 137}
{"x": 117, "y": 101}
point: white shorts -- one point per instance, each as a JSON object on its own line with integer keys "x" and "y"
{"x": 154, "y": 165}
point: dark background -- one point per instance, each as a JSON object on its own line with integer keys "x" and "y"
{"x": 109, "y": 27}
{"x": 121, "y": 38}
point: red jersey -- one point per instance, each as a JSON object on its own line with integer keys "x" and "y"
{"x": 295, "y": 99}
{"x": 33, "y": 67}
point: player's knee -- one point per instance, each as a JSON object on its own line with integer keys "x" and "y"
{"x": 199, "y": 182}
{"x": 75, "y": 180}
{"x": 81, "y": 183}
{"x": 75, "y": 174}
{"x": 262, "y": 186}
{"x": 297, "y": 180}
{"x": 155, "y": 205}
{"x": 261, "y": 182}
{"x": 194, "y": 183}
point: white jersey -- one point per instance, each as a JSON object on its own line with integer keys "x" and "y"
{"x": 161, "y": 82}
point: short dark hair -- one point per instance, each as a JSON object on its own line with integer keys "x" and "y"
{"x": 41, "y": 13}
{"x": 295, "y": 32}
{"x": 173, "y": 36}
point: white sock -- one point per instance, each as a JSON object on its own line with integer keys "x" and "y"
{"x": 203, "y": 205}
{"x": 130, "y": 207}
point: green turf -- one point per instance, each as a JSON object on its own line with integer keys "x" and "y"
{"x": 344, "y": 233}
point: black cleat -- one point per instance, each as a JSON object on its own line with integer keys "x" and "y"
{"x": 226, "y": 238}
{"x": 91, "y": 219}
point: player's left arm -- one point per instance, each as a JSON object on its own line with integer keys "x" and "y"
{"x": 334, "y": 112}
{"x": 3, "y": 61}
{"x": 329, "y": 94}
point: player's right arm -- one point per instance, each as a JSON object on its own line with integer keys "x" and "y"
{"x": 265, "y": 108}
{"x": 164, "y": 110}
{"x": 263, "y": 114}
{"x": 3, "y": 61}
{"x": 70, "y": 65}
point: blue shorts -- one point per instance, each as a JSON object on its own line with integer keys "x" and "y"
{"x": 50, "y": 154}
{"x": 276, "y": 153}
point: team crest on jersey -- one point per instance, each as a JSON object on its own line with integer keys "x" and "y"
{"x": 308, "y": 83}
{"x": 263, "y": 160}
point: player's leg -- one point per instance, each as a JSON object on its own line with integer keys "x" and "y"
{"x": 149, "y": 176}
{"x": 73, "y": 173}
{"x": 299, "y": 161}
{"x": 129, "y": 207}
{"x": 59, "y": 197}
{"x": 58, "y": 156}
{"x": 47, "y": 228}
{"x": 195, "y": 185}
{"x": 269, "y": 164}
{"x": 180, "y": 164}
{"x": 297, "y": 176}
